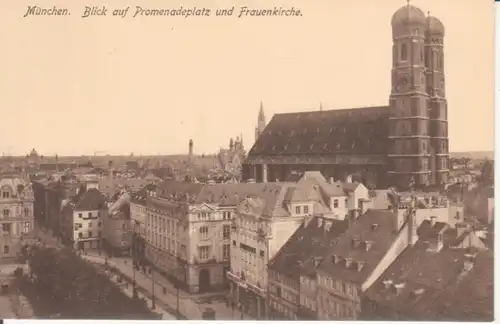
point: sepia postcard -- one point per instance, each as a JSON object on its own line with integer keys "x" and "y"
{"x": 247, "y": 160}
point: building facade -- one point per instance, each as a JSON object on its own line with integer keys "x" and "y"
{"x": 404, "y": 142}
{"x": 81, "y": 221}
{"x": 188, "y": 231}
{"x": 16, "y": 218}
{"x": 117, "y": 230}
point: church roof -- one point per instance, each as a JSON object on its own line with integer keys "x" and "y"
{"x": 324, "y": 134}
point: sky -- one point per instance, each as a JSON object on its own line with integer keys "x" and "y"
{"x": 112, "y": 85}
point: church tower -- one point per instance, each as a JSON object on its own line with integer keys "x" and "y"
{"x": 438, "y": 107}
{"x": 409, "y": 141}
{"x": 261, "y": 122}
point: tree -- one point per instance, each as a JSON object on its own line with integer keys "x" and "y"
{"x": 77, "y": 289}
{"x": 487, "y": 173}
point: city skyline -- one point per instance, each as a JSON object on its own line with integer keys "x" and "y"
{"x": 86, "y": 87}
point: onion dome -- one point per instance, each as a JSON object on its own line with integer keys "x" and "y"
{"x": 435, "y": 26}
{"x": 408, "y": 15}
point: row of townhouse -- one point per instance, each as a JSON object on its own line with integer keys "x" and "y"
{"x": 91, "y": 214}
{"x": 16, "y": 216}
{"x": 374, "y": 263}
{"x": 221, "y": 236}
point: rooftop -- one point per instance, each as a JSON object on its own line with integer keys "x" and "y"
{"x": 307, "y": 247}
{"x": 359, "y": 250}
{"x": 344, "y": 131}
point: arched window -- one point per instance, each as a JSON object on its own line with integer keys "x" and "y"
{"x": 404, "y": 52}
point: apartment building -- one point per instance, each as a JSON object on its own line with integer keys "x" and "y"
{"x": 81, "y": 221}
{"x": 188, "y": 228}
{"x": 138, "y": 216}
{"x": 265, "y": 222}
{"x": 16, "y": 217}
{"x": 117, "y": 227}
{"x": 292, "y": 271}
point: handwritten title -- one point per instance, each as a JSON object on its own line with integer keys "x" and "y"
{"x": 139, "y": 11}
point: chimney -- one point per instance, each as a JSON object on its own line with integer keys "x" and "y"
{"x": 368, "y": 245}
{"x": 387, "y": 284}
{"x": 331, "y": 180}
{"x": 359, "y": 265}
{"x": 335, "y": 259}
{"x": 348, "y": 262}
{"x": 399, "y": 288}
{"x": 417, "y": 292}
{"x": 374, "y": 227}
{"x": 355, "y": 242}
{"x": 433, "y": 221}
{"x": 469, "y": 262}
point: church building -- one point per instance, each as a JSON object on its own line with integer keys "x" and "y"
{"x": 400, "y": 144}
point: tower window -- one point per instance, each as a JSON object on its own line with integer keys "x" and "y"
{"x": 404, "y": 52}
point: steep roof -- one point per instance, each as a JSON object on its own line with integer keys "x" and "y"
{"x": 472, "y": 298}
{"x": 329, "y": 132}
{"x": 91, "y": 199}
{"x": 421, "y": 276}
{"x": 434, "y": 286}
{"x": 375, "y": 227}
{"x": 307, "y": 247}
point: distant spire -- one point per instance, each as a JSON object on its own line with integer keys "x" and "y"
{"x": 320, "y": 106}
{"x": 261, "y": 111}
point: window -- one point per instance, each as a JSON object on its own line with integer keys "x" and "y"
{"x": 26, "y": 212}
{"x": 26, "y": 227}
{"x": 343, "y": 287}
{"x": 90, "y": 233}
{"x": 99, "y": 224}
{"x": 80, "y": 215}
{"x": 6, "y": 228}
{"x": 403, "y": 54}
{"x": 262, "y": 254}
{"x": 203, "y": 252}
{"x": 226, "y": 230}
{"x": 225, "y": 251}
{"x": 99, "y": 234}
{"x": 297, "y": 210}
{"x": 346, "y": 203}
{"x": 90, "y": 224}
{"x": 6, "y": 213}
{"x": 6, "y": 249}
{"x": 90, "y": 214}
{"x": 234, "y": 243}
{"x": 204, "y": 232}
{"x": 335, "y": 203}
{"x": 226, "y": 215}
{"x": 306, "y": 209}
{"x": 80, "y": 235}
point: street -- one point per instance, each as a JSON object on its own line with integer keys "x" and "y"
{"x": 164, "y": 290}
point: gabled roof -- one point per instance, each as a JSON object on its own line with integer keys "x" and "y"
{"x": 421, "y": 276}
{"x": 375, "y": 228}
{"x": 307, "y": 247}
{"x": 91, "y": 199}
{"x": 344, "y": 131}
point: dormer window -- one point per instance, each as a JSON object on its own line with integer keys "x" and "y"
{"x": 348, "y": 262}
{"x": 359, "y": 265}
{"x": 355, "y": 242}
{"x": 374, "y": 227}
{"x": 368, "y": 245}
{"x": 387, "y": 284}
{"x": 335, "y": 259}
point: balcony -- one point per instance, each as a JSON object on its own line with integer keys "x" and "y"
{"x": 211, "y": 260}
